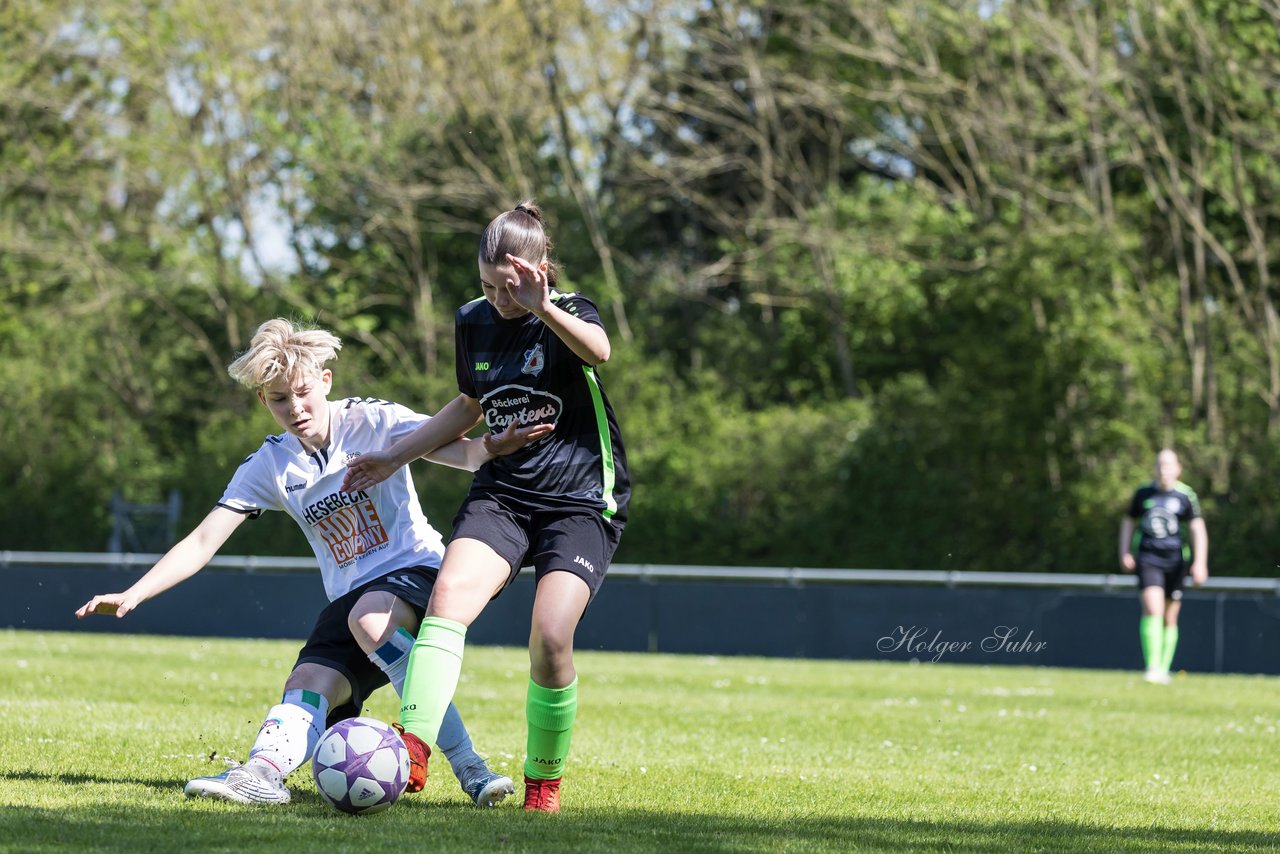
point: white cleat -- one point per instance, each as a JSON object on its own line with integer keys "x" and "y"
{"x": 243, "y": 784}
{"x": 489, "y": 789}
{"x": 1158, "y": 677}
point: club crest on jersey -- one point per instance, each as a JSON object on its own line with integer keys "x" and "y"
{"x": 534, "y": 361}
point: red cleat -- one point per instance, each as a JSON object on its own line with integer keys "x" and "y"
{"x": 419, "y": 753}
{"x": 542, "y": 795}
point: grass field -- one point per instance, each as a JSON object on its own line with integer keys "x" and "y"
{"x": 98, "y": 733}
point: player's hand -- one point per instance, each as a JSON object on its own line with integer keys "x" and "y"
{"x": 368, "y": 470}
{"x": 1199, "y": 573}
{"x": 514, "y": 438}
{"x": 1127, "y": 563}
{"x": 530, "y": 287}
{"x": 108, "y": 604}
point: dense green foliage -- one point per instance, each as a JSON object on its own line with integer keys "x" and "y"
{"x": 100, "y": 732}
{"x": 890, "y": 284}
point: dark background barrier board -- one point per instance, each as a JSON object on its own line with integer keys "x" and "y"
{"x": 1067, "y": 627}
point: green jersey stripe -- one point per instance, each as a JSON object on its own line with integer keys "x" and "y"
{"x": 606, "y": 446}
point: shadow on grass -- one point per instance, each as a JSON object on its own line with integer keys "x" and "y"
{"x": 173, "y": 787}
{"x": 71, "y": 779}
{"x": 308, "y": 824}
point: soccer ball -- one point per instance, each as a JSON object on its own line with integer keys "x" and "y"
{"x": 360, "y": 765}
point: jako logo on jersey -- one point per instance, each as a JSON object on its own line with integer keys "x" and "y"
{"x": 534, "y": 361}
{"x": 482, "y": 366}
{"x": 294, "y": 487}
{"x": 582, "y": 561}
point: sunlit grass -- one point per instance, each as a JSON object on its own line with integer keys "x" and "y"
{"x": 682, "y": 753}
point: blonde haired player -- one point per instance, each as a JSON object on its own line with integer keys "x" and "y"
{"x": 377, "y": 552}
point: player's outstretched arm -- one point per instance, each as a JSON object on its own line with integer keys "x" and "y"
{"x": 452, "y": 422}
{"x": 470, "y": 454}
{"x": 180, "y": 563}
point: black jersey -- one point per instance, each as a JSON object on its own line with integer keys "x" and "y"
{"x": 1163, "y": 517}
{"x": 521, "y": 371}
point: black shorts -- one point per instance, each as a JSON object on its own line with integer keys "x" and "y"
{"x": 576, "y": 540}
{"x": 332, "y": 645}
{"x": 1157, "y": 576}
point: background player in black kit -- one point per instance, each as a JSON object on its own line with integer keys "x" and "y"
{"x": 526, "y": 353}
{"x": 1154, "y": 543}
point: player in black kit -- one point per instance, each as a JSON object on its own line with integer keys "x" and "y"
{"x": 525, "y": 353}
{"x": 1161, "y": 534}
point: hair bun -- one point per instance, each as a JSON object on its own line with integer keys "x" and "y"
{"x": 530, "y": 208}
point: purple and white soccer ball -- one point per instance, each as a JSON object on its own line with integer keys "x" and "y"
{"x": 360, "y": 765}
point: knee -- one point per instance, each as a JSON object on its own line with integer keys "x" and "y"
{"x": 446, "y": 590}
{"x": 453, "y": 598}
{"x": 359, "y": 630}
{"x": 369, "y": 623}
{"x": 551, "y": 645}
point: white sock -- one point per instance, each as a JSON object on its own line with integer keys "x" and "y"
{"x": 392, "y": 658}
{"x": 454, "y": 741}
{"x": 290, "y": 732}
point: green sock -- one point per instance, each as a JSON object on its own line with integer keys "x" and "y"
{"x": 434, "y": 665}
{"x": 1170, "y": 644}
{"x": 1151, "y": 628}
{"x": 550, "y": 712}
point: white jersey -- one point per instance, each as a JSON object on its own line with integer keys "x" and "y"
{"x": 358, "y": 536}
